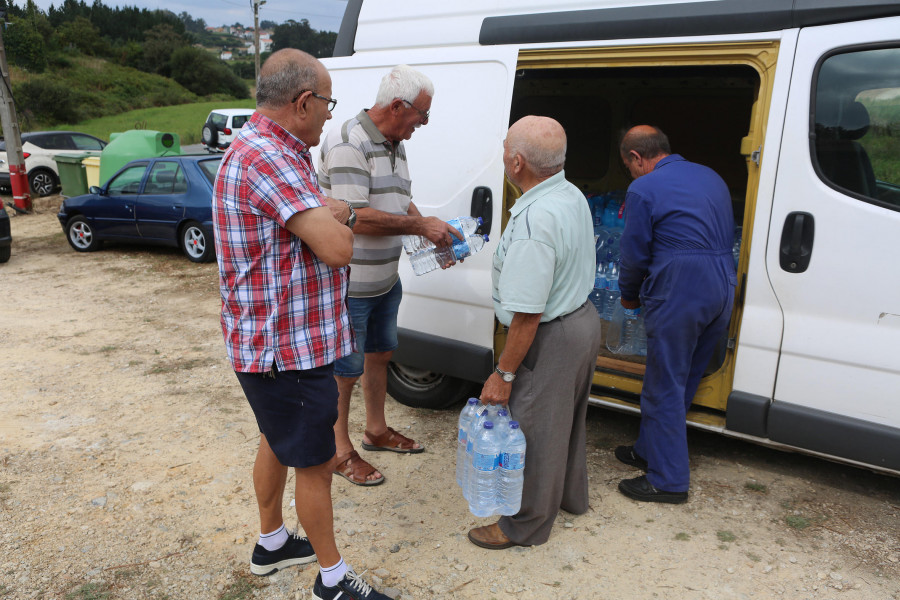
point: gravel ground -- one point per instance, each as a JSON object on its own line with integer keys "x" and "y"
{"x": 126, "y": 448}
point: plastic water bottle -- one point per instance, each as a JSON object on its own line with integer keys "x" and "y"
{"x": 626, "y": 332}
{"x": 598, "y": 294}
{"x": 483, "y": 412}
{"x": 611, "y": 298}
{"x": 466, "y": 416}
{"x": 465, "y": 225}
{"x": 501, "y": 423}
{"x": 512, "y": 472}
{"x": 486, "y": 463}
{"x": 425, "y": 261}
{"x": 736, "y": 247}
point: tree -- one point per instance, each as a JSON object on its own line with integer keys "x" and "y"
{"x": 292, "y": 34}
{"x": 159, "y": 44}
{"x": 204, "y": 74}
{"x": 81, "y": 34}
{"x": 25, "y": 45}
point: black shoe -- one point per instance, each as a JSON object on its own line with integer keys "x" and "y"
{"x": 351, "y": 587}
{"x": 641, "y": 489}
{"x": 627, "y": 455}
{"x": 296, "y": 551}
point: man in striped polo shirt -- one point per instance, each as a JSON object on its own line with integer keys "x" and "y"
{"x": 363, "y": 162}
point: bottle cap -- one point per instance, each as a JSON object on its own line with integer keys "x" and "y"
{"x": 502, "y": 412}
{"x": 488, "y": 424}
{"x": 513, "y": 424}
{"x": 473, "y": 401}
{"x": 486, "y": 239}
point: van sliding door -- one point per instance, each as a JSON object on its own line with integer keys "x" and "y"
{"x": 834, "y": 245}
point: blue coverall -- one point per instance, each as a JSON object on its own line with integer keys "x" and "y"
{"x": 676, "y": 255}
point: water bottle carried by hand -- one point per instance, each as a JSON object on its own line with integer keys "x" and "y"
{"x": 465, "y": 225}
{"x": 486, "y": 464}
{"x": 466, "y": 417}
{"x": 425, "y": 261}
{"x": 511, "y": 475}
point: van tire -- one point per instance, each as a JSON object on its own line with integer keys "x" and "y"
{"x": 420, "y": 388}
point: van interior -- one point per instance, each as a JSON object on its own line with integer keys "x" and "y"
{"x": 705, "y": 110}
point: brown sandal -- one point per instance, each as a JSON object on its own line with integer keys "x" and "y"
{"x": 355, "y": 470}
{"x": 391, "y": 441}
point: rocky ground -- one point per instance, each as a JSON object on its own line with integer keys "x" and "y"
{"x": 126, "y": 448}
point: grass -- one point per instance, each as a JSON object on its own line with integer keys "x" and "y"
{"x": 185, "y": 120}
{"x": 682, "y": 536}
{"x": 756, "y": 487}
{"x": 797, "y": 522}
{"x": 725, "y": 536}
{"x": 242, "y": 588}
{"x": 89, "y": 591}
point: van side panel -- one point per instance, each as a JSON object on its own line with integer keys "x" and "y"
{"x": 836, "y": 435}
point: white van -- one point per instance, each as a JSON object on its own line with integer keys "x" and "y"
{"x": 795, "y": 103}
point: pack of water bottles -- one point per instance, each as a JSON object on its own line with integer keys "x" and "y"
{"x": 609, "y": 221}
{"x": 490, "y": 459}
{"x": 425, "y": 257}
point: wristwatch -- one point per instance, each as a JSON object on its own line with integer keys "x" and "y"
{"x": 505, "y": 375}
{"x": 351, "y": 220}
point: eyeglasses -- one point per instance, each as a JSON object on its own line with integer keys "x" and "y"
{"x": 331, "y": 101}
{"x": 423, "y": 114}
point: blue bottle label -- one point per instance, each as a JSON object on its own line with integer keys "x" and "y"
{"x": 513, "y": 461}
{"x": 612, "y": 284}
{"x": 485, "y": 462}
{"x": 462, "y": 435}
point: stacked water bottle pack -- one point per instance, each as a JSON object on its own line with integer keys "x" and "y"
{"x": 609, "y": 221}
{"x": 490, "y": 459}
{"x": 425, "y": 257}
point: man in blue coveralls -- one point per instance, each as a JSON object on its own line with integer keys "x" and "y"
{"x": 676, "y": 262}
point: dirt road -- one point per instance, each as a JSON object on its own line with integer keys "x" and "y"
{"x": 126, "y": 448}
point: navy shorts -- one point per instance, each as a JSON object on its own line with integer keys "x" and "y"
{"x": 374, "y": 323}
{"x": 296, "y": 411}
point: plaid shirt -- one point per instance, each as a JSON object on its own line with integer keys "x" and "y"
{"x": 281, "y": 305}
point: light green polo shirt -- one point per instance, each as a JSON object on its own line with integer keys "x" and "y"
{"x": 545, "y": 260}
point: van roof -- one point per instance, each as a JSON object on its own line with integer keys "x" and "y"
{"x": 388, "y": 24}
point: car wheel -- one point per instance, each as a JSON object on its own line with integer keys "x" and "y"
{"x": 43, "y": 182}
{"x": 420, "y": 388}
{"x": 210, "y": 135}
{"x": 195, "y": 244}
{"x": 5, "y": 253}
{"x": 81, "y": 235}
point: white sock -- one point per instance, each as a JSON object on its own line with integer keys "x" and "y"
{"x": 275, "y": 540}
{"x": 332, "y": 575}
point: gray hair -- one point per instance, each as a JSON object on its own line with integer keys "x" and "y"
{"x": 282, "y": 77}
{"x": 544, "y": 157}
{"x": 405, "y": 83}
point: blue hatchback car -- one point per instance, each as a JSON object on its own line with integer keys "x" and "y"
{"x": 164, "y": 201}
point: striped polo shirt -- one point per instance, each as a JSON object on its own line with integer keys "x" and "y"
{"x": 362, "y": 167}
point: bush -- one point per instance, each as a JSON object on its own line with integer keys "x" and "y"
{"x": 46, "y": 100}
{"x": 25, "y": 46}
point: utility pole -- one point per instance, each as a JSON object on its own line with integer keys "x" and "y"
{"x": 18, "y": 180}
{"x": 256, "y": 4}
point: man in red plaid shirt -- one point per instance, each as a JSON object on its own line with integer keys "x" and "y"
{"x": 283, "y": 250}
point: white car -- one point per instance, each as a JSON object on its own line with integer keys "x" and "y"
{"x": 222, "y": 126}
{"x": 39, "y": 148}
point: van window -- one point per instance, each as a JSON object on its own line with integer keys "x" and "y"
{"x": 857, "y": 124}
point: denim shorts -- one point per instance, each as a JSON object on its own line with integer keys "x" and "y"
{"x": 296, "y": 411}
{"x": 374, "y": 324}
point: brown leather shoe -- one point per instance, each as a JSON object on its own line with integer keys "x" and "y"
{"x": 490, "y": 537}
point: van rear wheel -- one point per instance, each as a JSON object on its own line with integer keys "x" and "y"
{"x": 420, "y": 388}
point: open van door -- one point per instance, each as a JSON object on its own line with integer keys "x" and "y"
{"x": 446, "y": 318}
{"x": 834, "y": 243}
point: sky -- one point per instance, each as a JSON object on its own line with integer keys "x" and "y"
{"x": 323, "y": 15}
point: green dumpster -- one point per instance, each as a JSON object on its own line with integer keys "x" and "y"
{"x": 129, "y": 145}
{"x": 72, "y": 175}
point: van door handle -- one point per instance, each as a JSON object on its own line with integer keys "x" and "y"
{"x": 797, "y": 242}
{"x": 483, "y": 206}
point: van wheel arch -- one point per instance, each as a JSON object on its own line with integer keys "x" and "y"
{"x": 421, "y": 388}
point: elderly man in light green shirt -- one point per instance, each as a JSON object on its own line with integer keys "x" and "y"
{"x": 543, "y": 272}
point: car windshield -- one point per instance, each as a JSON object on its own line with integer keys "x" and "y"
{"x": 209, "y": 168}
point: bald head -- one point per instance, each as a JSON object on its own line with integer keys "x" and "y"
{"x": 284, "y": 74}
{"x": 647, "y": 141}
{"x": 541, "y": 142}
